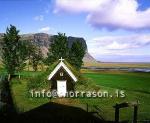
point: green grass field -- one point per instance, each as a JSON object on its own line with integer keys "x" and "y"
{"x": 139, "y": 82}
{"x": 135, "y": 85}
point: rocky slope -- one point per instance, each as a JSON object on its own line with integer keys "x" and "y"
{"x": 44, "y": 40}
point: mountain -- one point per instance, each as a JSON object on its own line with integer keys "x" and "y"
{"x": 44, "y": 40}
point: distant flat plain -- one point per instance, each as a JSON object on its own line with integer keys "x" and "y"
{"x": 118, "y": 64}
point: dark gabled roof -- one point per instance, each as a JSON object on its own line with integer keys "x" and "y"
{"x": 63, "y": 65}
{"x": 73, "y": 69}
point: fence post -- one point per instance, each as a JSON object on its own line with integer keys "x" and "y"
{"x": 87, "y": 107}
{"x": 116, "y": 114}
{"x": 135, "y": 113}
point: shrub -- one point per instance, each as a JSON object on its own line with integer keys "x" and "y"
{"x": 86, "y": 84}
{"x": 38, "y": 82}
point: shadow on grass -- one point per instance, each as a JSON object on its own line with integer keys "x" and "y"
{"x": 53, "y": 113}
{"x": 48, "y": 113}
{"x": 57, "y": 113}
{"x": 7, "y": 107}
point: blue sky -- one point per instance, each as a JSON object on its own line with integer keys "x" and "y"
{"x": 115, "y": 30}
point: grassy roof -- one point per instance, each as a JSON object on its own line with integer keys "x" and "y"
{"x": 73, "y": 69}
{"x": 41, "y": 80}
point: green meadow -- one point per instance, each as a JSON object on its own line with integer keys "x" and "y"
{"x": 135, "y": 86}
{"x": 139, "y": 82}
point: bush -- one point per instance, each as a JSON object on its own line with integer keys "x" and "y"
{"x": 86, "y": 84}
{"x": 38, "y": 82}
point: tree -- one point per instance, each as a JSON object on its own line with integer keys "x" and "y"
{"x": 76, "y": 54}
{"x": 30, "y": 50}
{"x": 58, "y": 48}
{"x": 36, "y": 57}
{"x": 12, "y": 51}
{"x": 22, "y": 56}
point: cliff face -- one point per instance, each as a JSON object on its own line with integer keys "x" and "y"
{"x": 71, "y": 40}
{"x": 44, "y": 40}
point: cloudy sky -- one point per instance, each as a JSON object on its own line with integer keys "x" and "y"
{"x": 115, "y": 30}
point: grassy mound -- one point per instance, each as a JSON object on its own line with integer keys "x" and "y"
{"x": 41, "y": 81}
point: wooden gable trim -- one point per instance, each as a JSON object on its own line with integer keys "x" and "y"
{"x": 61, "y": 64}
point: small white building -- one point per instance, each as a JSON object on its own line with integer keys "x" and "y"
{"x": 62, "y": 79}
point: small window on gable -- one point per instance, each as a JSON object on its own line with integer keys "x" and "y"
{"x": 61, "y": 74}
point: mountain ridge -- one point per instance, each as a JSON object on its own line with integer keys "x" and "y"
{"x": 44, "y": 40}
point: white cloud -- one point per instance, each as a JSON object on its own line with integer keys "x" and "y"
{"x": 110, "y": 14}
{"x": 116, "y": 45}
{"x": 44, "y": 29}
{"x": 78, "y": 5}
{"x": 48, "y": 29}
{"x": 39, "y": 18}
{"x": 119, "y": 45}
{"x": 123, "y": 42}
